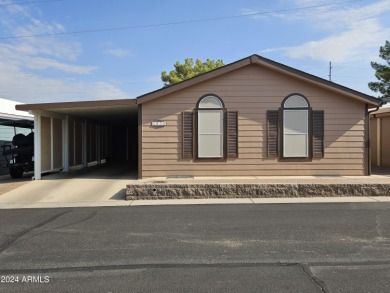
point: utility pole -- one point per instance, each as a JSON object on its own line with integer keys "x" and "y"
{"x": 330, "y": 71}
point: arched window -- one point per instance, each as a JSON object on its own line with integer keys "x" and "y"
{"x": 209, "y": 102}
{"x": 210, "y": 110}
{"x": 295, "y": 127}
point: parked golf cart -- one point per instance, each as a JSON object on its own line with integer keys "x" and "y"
{"x": 19, "y": 154}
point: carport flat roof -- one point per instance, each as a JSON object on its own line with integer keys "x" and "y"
{"x": 112, "y": 111}
{"x": 80, "y": 104}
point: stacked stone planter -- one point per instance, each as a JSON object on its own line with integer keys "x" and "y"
{"x": 166, "y": 190}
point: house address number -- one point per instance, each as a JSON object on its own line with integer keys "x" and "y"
{"x": 159, "y": 123}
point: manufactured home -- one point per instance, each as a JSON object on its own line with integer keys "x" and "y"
{"x": 253, "y": 117}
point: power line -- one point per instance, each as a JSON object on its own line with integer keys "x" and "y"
{"x": 351, "y": 76}
{"x": 314, "y": 68}
{"x": 178, "y": 22}
{"x": 19, "y": 85}
{"x": 30, "y": 2}
{"x": 51, "y": 93}
{"x": 352, "y": 67}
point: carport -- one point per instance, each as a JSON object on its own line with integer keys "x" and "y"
{"x": 75, "y": 135}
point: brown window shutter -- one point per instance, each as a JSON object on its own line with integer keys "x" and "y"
{"x": 272, "y": 135}
{"x": 318, "y": 134}
{"x": 232, "y": 134}
{"x": 188, "y": 137}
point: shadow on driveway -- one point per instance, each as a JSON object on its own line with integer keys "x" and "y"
{"x": 103, "y": 171}
{"x": 384, "y": 171}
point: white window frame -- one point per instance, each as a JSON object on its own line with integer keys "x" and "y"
{"x": 305, "y": 133}
{"x": 301, "y": 105}
{"x": 200, "y": 132}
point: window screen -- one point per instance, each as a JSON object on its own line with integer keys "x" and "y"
{"x": 295, "y": 133}
{"x": 210, "y": 134}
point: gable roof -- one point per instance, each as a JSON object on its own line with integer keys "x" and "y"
{"x": 267, "y": 63}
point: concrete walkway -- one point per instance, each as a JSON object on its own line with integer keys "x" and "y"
{"x": 106, "y": 186}
{"x": 373, "y": 179}
{"x": 206, "y": 201}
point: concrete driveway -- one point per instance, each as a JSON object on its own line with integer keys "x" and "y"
{"x": 7, "y": 183}
{"x": 105, "y": 186}
{"x": 101, "y": 184}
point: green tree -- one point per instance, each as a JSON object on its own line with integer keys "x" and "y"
{"x": 189, "y": 69}
{"x": 382, "y": 73}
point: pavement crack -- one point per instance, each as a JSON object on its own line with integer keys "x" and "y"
{"x": 91, "y": 215}
{"x": 146, "y": 266}
{"x": 14, "y": 239}
{"x": 306, "y": 270}
{"x": 304, "y": 267}
{"x": 378, "y": 225}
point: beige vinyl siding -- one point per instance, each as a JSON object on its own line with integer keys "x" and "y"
{"x": 57, "y": 143}
{"x": 252, "y": 91}
{"x": 71, "y": 142}
{"x": 385, "y": 141}
{"x": 75, "y": 142}
{"x": 91, "y": 134}
{"x": 78, "y": 143}
{"x": 373, "y": 141}
{"x": 51, "y": 143}
{"x": 45, "y": 143}
{"x": 383, "y": 159}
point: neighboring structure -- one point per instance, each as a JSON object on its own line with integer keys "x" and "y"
{"x": 380, "y": 137}
{"x": 252, "y": 117}
{"x": 12, "y": 122}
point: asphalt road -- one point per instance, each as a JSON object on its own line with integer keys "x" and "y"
{"x": 205, "y": 248}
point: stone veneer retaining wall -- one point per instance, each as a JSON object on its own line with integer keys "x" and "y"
{"x": 177, "y": 191}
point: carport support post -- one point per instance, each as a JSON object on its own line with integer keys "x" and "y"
{"x": 51, "y": 144}
{"x": 65, "y": 157}
{"x": 98, "y": 137}
{"x": 127, "y": 143}
{"x": 378, "y": 141}
{"x": 37, "y": 145}
{"x": 84, "y": 143}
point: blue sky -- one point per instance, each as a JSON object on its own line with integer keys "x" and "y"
{"x": 125, "y": 63}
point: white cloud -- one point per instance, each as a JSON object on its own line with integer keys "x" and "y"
{"x": 117, "y": 52}
{"x": 27, "y": 56}
{"x": 37, "y": 27}
{"x": 252, "y": 13}
{"x": 352, "y": 34}
{"x": 25, "y": 87}
{"x": 258, "y": 14}
{"x": 45, "y": 63}
{"x": 356, "y": 44}
{"x": 24, "y": 62}
{"x": 309, "y": 3}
